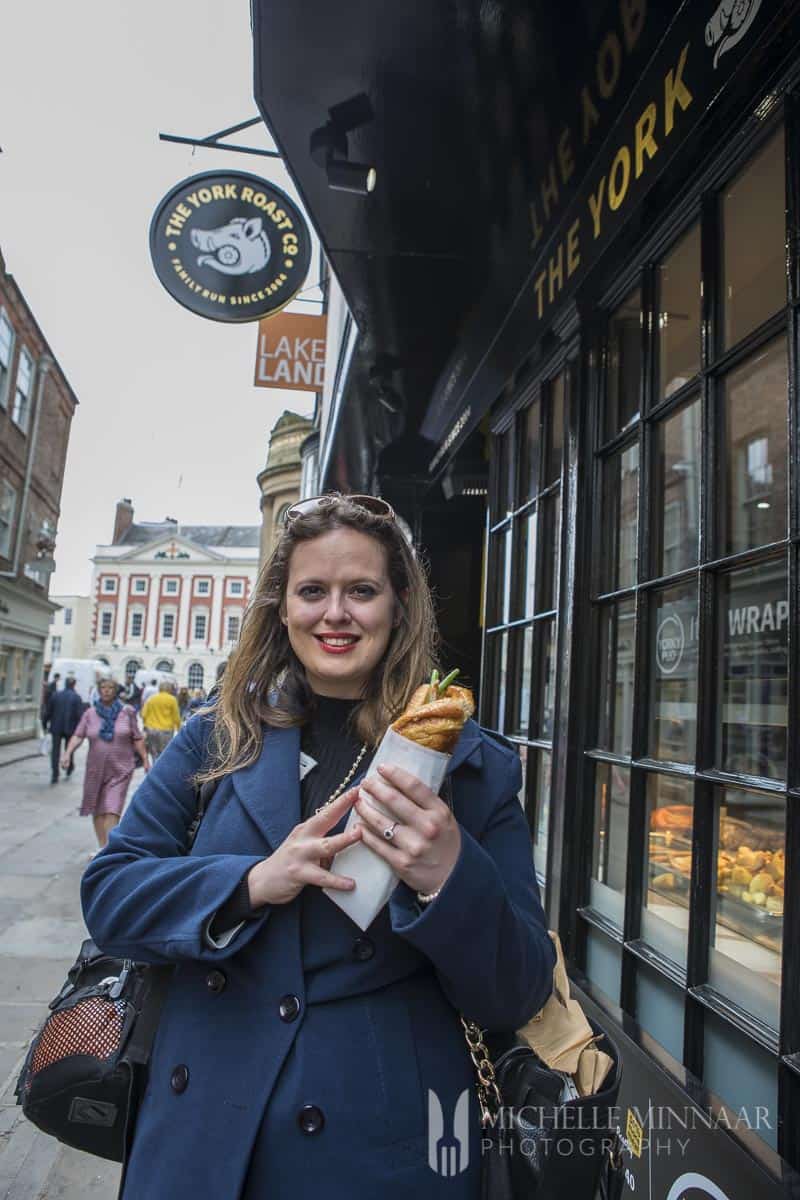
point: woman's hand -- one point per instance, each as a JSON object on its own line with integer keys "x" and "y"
{"x": 427, "y": 840}
{"x": 66, "y": 759}
{"x": 304, "y": 857}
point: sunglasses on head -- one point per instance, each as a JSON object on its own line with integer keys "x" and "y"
{"x": 370, "y": 504}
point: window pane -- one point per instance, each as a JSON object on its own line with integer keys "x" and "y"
{"x": 499, "y": 577}
{"x": 755, "y": 420}
{"x": 546, "y": 684}
{"x": 673, "y": 674}
{"x": 677, "y": 491}
{"x": 541, "y": 825}
{"x": 497, "y": 664}
{"x": 754, "y": 234}
{"x": 753, "y": 620}
{"x": 610, "y": 840}
{"x": 620, "y": 519}
{"x": 617, "y": 640}
{"x": 529, "y": 435}
{"x": 525, "y": 566}
{"x": 679, "y": 314}
{"x": 624, "y": 359}
{"x": 551, "y": 553}
{"x": 522, "y": 654}
{"x": 502, "y": 474}
{"x": 555, "y": 449}
{"x": 746, "y": 953}
{"x": 670, "y": 818}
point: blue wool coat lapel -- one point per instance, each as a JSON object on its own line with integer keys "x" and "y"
{"x": 270, "y": 787}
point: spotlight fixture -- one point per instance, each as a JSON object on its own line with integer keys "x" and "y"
{"x": 329, "y": 148}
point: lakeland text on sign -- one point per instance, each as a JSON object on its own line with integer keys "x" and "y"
{"x": 230, "y": 246}
{"x": 291, "y": 352}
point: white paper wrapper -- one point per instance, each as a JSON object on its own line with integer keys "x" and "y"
{"x": 375, "y": 879}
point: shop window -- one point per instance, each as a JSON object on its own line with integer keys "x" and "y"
{"x": 619, "y": 546}
{"x": 541, "y": 813}
{"x": 754, "y": 245}
{"x": 544, "y": 715}
{"x": 493, "y": 715}
{"x": 525, "y": 559}
{"x": 31, "y": 669}
{"x": 4, "y": 668}
{"x": 555, "y": 429}
{"x": 753, "y": 616}
{"x": 617, "y": 645}
{"x": 501, "y": 480}
{"x": 677, "y": 491}
{"x": 610, "y": 840}
{"x": 547, "y": 597}
{"x": 529, "y": 438}
{"x": 500, "y": 559}
{"x": 678, "y": 318}
{"x": 604, "y": 963}
{"x": 623, "y": 365}
{"x": 522, "y": 656}
{"x": 742, "y": 1074}
{"x": 754, "y": 417}
{"x": 673, "y": 673}
{"x": 6, "y": 354}
{"x": 668, "y": 865}
{"x": 660, "y": 1010}
{"x": 747, "y": 933}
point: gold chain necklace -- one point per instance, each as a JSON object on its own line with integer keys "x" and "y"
{"x": 334, "y": 795}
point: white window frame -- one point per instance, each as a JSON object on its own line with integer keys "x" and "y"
{"x": 136, "y": 589}
{"x": 8, "y": 510}
{"x": 141, "y": 613}
{"x": 235, "y": 583}
{"x": 171, "y": 586}
{"x": 233, "y": 616}
{"x": 112, "y": 590}
{"x": 5, "y": 366}
{"x": 21, "y": 404}
{"x": 56, "y": 645}
{"x": 200, "y": 615}
{"x": 202, "y": 583}
{"x": 168, "y": 637}
{"x": 67, "y": 616}
{"x": 105, "y": 612}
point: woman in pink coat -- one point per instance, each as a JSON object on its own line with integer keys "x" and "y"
{"x": 113, "y": 733}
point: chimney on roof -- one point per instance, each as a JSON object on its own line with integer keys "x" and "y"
{"x": 122, "y": 520}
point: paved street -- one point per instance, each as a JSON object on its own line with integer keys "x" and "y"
{"x": 44, "y": 847}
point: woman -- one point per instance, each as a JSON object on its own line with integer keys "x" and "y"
{"x": 295, "y": 1052}
{"x": 114, "y": 735}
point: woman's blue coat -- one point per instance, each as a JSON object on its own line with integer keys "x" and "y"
{"x": 377, "y": 1021}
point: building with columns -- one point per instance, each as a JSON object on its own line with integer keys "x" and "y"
{"x": 170, "y": 596}
{"x": 280, "y": 481}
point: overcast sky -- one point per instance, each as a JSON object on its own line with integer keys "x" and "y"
{"x": 168, "y": 413}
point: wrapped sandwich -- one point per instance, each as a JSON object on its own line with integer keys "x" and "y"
{"x": 420, "y": 741}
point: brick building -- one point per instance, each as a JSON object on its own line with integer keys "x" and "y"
{"x": 36, "y": 409}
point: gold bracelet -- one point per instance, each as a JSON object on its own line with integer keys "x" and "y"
{"x": 426, "y": 899}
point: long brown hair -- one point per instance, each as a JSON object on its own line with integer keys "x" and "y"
{"x": 264, "y": 663}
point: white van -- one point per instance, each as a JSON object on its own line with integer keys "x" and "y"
{"x": 85, "y": 672}
{"x": 147, "y": 676}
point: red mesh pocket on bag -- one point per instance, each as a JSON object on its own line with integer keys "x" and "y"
{"x": 92, "y": 1027}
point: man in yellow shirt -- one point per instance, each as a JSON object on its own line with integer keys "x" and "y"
{"x": 161, "y": 718}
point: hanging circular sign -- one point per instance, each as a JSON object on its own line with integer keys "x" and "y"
{"x": 230, "y": 246}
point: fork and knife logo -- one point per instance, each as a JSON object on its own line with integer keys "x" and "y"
{"x": 448, "y": 1151}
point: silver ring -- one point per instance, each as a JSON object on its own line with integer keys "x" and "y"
{"x": 388, "y": 833}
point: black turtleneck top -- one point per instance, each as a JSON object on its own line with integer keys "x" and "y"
{"x": 329, "y": 739}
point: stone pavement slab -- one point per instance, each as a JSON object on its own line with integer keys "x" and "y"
{"x": 44, "y": 848}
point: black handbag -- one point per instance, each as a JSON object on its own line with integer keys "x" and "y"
{"x": 533, "y": 1145}
{"x": 86, "y": 1068}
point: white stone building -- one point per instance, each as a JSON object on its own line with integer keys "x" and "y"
{"x": 171, "y": 596}
{"x": 68, "y": 636}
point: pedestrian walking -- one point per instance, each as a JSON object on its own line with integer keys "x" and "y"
{"x": 48, "y": 689}
{"x": 161, "y": 718}
{"x": 113, "y": 733}
{"x": 62, "y": 714}
{"x": 295, "y": 1051}
{"x": 197, "y": 701}
{"x": 183, "y": 702}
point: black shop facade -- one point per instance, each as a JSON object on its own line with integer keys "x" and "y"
{"x": 577, "y": 283}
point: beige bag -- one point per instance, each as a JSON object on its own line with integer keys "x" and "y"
{"x": 563, "y": 1038}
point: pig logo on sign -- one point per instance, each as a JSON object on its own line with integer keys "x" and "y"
{"x": 729, "y": 24}
{"x": 238, "y": 248}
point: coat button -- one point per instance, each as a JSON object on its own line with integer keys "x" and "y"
{"x": 310, "y": 1118}
{"x": 288, "y": 1008}
{"x": 216, "y": 981}
{"x": 363, "y": 948}
{"x": 180, "y": 1079}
